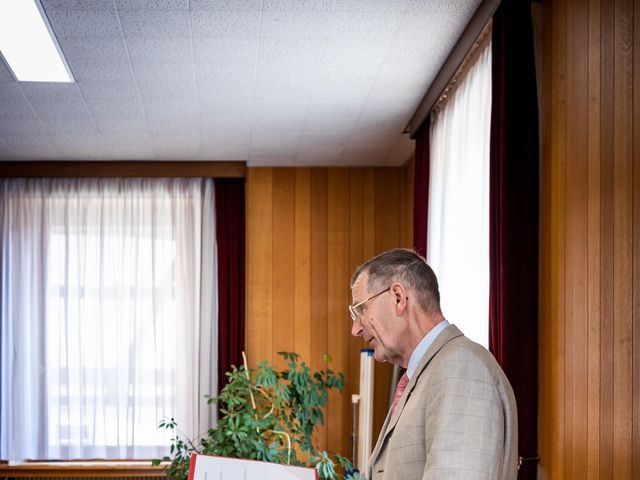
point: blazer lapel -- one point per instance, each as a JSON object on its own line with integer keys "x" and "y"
{"x": 441, "y": 340}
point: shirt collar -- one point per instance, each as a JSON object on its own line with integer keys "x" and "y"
{"x": 422, "y": 347}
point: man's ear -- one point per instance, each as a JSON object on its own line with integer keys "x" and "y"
{"x": 400, "y": 297}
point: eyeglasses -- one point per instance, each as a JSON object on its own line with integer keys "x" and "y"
{"x": 356, "y": 310}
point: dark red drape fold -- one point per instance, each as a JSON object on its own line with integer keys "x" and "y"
{"x": 421, "y": 190}
{"x": 230, "y": 239}
{"x": 513, "y": 231}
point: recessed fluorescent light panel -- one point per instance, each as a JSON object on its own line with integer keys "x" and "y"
{"x": 28, "y": 45}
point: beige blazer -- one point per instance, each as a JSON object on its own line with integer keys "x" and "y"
{"x": 456, "y": 419}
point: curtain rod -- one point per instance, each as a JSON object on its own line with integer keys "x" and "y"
{"x": 472, "y": 31}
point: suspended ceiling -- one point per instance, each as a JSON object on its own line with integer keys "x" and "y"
{"x": 270, "y": 82}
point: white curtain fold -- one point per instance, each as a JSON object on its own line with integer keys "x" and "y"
{"x": 458, "y": 217}
{"x": 108, "y": 317}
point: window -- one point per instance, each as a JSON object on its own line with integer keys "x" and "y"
{"x": 108, "y": 307}
{"x": 458, "y": 218}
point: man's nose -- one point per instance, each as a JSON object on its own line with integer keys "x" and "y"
{"x": 356, "y": 328}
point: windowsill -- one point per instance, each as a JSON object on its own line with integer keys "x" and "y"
{"x": 81, "y": 468}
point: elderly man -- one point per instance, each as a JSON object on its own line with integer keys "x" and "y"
{"x": 454, "y": 414}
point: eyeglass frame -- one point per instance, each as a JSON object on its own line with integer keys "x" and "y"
{"x": 352, "y": 308}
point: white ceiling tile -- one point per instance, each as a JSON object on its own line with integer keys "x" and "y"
{"x": 236, "y": 24}
{"x": 381, "y": 124}
{"x": 225, "y": 5}
{"x": 155, "y": 23}
{"x": 16, "y": 109}
{"x": 225, "y": 153}
{"x": 272, "y": 111}
{"x": 343, "y": 53}
{"x": 103, "y": 48}
{"x": 401, "y": 152}
{"x": 272, "y": 153}
{"x": 336, "y": 109}
{"x": 223, "y": 51}
{"x": 46, "y": 91}
{"x": 124, "y": 109}
{"x": 323, "y": 140}
{"x": 228, "y": 108}
{"x": 89, "y": 69}
{"x": 295, "y": 24}
{"x": 163, "y": 49}
{"x": 105, "y": 88}
{"x": 22, "y": 126}
{"x": 226, "y": 136}
{"x": 282, "y": 91}
{"x": 304, "y": 5}
{"x": 177, "y": 109}
{"x": 274, "y": 138}
{"x": 457, "y": 8}
{"x": 5, "y": 73}
{"x": 329, "y": 125}
{"x": 366, "y": 139}
{"x": 378, "y": 26}
{"x": 310, "y": 155}
{"x": 78, "y": 4}
{"x": 167, "y": 88}
{"x": 152, "y": 4}
{"x": 222, "y": 87}
{"x": 119, "y": 125}
{"x": 18, "y": 140}
{"x": 373, "y": 155}
{"x": 372, "y": 5}
{"x": 71, "y": 125}
{"x": 84, "y": 23}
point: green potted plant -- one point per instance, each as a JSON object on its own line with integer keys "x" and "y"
{"x": 267, "y": 415}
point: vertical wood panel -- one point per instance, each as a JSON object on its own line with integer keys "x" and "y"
{"x": 283, "y": 266}
{"x": 302, "y": 255}
{"x": 307, "y": 230}
{"x": 589, "y": 381}
{"x": 593, "y": 269}
{"x": 319, "y": 294}
{"x": 622, "y": 328}
{"x": 636, "y": 246}
{"x": 259, "y": 272}
{"x": 339, "y": 293}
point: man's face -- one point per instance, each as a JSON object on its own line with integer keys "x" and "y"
{"x": 376, "y": 320}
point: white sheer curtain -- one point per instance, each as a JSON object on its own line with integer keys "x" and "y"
{"x": 458, "y": 218}
{"x": 108, "y": 297}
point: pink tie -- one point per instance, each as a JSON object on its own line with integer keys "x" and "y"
{"x": 402, "y": 385}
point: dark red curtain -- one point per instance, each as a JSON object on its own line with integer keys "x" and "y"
{"x": 421, "y": 190}
{"x": 513, "y": 231}
{"x": 230, "y": 231}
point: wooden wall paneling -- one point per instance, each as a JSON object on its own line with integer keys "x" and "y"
{"x": 387, "y": 184}
{"x": 552, "y": 322}
{"x": 589, "y": 340}
{"x": 319, "y": 262}
{"x": 577, "y": 245}
{"x": 307, "y": 230}
{"x": 339, "y": 295}
{"x": 260, "y": 251}
{"x": 636, "y": 246}
{"x": 356, "y": 257}
{"x": 284, "y": 322}
{"x": 545, "y": 372}
{"x": 570, "y": 253}
{"x": 302, "y": 261}
{"x": 593, "y": 242}
{"x": 622, "y": 202}
{"x": 606, "y": 260}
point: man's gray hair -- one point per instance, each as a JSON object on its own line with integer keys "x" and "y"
{"x": 404, "y": 266}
